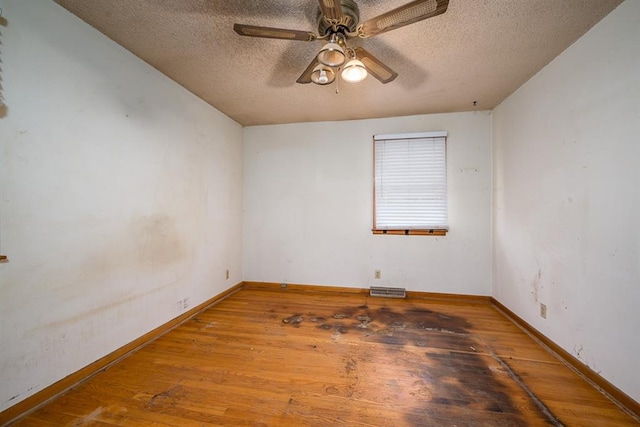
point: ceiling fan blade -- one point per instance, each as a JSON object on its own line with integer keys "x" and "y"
{"x": 331, "y": 9}
{"x": 375, "y": 67}
{"x": 404, "y": 15}
{"x": 305, "y": 77}
{"x": 273, "y": 33}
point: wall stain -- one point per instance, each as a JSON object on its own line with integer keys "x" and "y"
{"x": 158, "y": 241}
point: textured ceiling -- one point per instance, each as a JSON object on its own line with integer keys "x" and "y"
{"x": 479, "y": 50}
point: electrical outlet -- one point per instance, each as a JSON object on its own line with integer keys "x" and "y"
{"x": 182, "y": 305}
{"x": 227, "y": 275}
{"x": 377, "y": 274}
{"x": 543, "y": 310}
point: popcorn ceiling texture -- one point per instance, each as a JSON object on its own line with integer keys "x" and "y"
{"x": 479, "y": 50}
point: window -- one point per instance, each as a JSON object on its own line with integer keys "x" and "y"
{"x": 410, "y": 184}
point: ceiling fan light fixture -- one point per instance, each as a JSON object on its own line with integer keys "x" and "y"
{"x": 331, "y": 55}
{"x": 354, "y": 71}
{"x": 323, "y": 75}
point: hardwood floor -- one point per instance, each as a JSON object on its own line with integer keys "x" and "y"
{"x": 287, "y": 358}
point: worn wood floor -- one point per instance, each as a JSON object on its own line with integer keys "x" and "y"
{"x": 286, "y": 358}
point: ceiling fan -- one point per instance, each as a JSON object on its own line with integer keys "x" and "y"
{"x": 338, "y": 21}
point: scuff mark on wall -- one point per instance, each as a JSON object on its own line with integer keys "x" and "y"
{"x": 88, "y": 319}
{"x": 577, "y": 350}
{"x": 535, "y": 285}
{"x": 18, "y": 395}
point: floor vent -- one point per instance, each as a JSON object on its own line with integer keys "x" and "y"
{"x": 376, "y": 291}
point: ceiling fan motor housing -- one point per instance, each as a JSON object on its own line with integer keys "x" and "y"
{"x": 347, "y": 24}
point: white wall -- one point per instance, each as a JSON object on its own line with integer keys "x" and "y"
{"x": 567, "y": 199}
{"x": 121, "y": 195}
{"x": 308, "y": 207}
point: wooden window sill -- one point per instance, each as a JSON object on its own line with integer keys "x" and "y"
{"x": 433, "y": 232}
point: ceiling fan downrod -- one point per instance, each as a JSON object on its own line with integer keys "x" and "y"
{"x": 331, "y": 21}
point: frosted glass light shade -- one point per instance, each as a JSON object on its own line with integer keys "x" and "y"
{"x": 332, "y": 55}
{"x": 323, "y": 75}
{"x": 354, "y": 71}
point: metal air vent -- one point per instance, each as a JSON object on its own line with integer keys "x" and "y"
{"x": 377, "y": 291}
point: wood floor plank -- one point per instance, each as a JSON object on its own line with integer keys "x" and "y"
{"x": 263, "y": 357}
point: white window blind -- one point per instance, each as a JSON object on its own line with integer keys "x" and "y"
{"x": 410, "y": 182}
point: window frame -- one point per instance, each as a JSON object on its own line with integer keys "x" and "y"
{"x": 439, "y": 231}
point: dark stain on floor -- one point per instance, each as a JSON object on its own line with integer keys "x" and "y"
{"x": 166, "y": 398}
{"x": 457, "y": 370}
{"x": 294, "y": 320}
